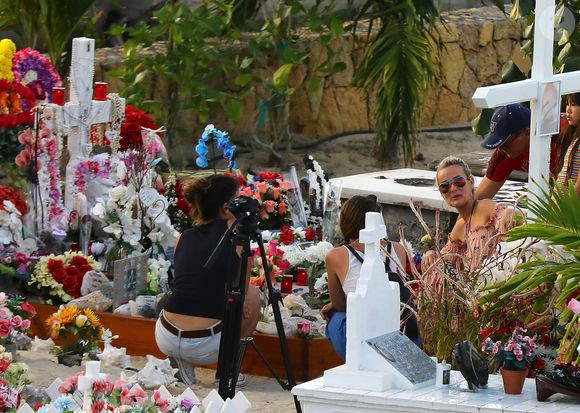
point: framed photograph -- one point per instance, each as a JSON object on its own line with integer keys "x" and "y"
{"x": 549, "y": 108}
{"x": 129, "y": 278}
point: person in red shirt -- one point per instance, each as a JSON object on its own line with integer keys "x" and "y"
{"x": 510, "y": 139}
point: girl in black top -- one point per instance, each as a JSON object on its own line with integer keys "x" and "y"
{"x": 189, "y": 328}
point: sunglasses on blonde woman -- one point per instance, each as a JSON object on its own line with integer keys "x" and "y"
{"x": 458, "y": 181}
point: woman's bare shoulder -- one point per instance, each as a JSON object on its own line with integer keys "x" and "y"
{"x": 336, "y": 253}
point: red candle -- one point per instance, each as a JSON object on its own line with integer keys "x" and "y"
{"x": 58, "y": 96}
{"x": 286, "y": 287}
{"x": 101, "y": 90}
{"x": 301, "y": 277}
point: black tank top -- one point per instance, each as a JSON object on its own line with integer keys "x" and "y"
{"x": 197, "y": 291}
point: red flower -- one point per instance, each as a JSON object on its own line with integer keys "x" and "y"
{"x": 4, "y": 364}
{"x": 28, "y": 308}
{"x": 72, "y": 271}
{"x": 54, "y": 265}
{"x": 309, "y": 234}
{"x": 131, "y": 129}
{"x": 184, "y": 206}
{"x": 286, "y": 235}
{"x": 79, "y": 260}
{"x": 271, "y": 177}
{"x": 9, "y": 194}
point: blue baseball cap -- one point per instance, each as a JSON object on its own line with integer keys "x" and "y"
{"x": 505, "y": 121}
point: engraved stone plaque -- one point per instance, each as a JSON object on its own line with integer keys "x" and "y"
{"x": 404, "y": 355}
{"x": 129, "y": 278}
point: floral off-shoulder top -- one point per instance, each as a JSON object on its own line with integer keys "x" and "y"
{"x": 480, "y": 244}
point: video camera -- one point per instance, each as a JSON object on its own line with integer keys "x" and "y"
{"x": 247, "y": 212}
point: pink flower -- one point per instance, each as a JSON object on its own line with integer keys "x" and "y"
{"x": 29, "y": 308}
{"x": 5, "y": 328}
{"x": 247, "y": 191}
{"x": 282, "y": 208}
{"x": 102, "y": 387}
{"x": 66, "y": 387}
{"x": 163, "y": 404}
{"x": 16, "y": 321}
{"x": 574, "y": 305}
{"x": 139, "y": 395}
{"x": 286, "y": 185}
{"x": 272, "y": 247}
{"x": 284, "y": 265}
{"x": 269, "y": 205}
{"x": 25, "y": 324}
{"x": 263, "y": 214}
{"x": 262, "y": 187}
{"x": 276, "y": 193}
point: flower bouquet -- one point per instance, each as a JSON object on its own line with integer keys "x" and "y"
{"x": 515, "y": 355}
{"x": 15, "y": 315}
{"x": 12, "y": 381}
{"x": 79, "y": 330}
{"x": 275, "y": 263}
{"x": 270, "y": 190}
{"x": 60, "y": 276}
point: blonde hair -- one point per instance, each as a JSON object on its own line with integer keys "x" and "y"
{"x": 452, "y": 161}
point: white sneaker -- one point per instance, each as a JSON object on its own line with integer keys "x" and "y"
{"x": 186, "y": 373}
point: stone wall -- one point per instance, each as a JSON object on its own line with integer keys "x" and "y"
{"x": 475, "y": 45}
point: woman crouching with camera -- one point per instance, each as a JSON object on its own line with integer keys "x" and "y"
{"x": 189, "y": 327}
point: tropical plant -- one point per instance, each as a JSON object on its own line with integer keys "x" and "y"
{"x": 554, "y": 275}
{"x": 48, "y": 25}
{"x": 397, "y": 68}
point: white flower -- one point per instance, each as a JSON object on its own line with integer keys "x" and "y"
{"x": 316, "y": 254}
{"x": 118, "y": 194}
{"x": 294, "y": 302}
{"x": 97, "y": 248}
{"x": 266, "y": 235}
{"x": 321, "y": 283}
{"x": 99, "y": 211}
{"x": 209, "y": 128}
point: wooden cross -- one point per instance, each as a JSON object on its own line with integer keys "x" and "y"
{"x": 78, "y": 115}
{"x": 531, "y": 90}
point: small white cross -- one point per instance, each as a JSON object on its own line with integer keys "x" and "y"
{"x": 530, "y": 90}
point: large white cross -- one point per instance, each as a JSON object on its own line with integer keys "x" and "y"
{"x": 80, "y": 113}
{"x": 529, "y": 90}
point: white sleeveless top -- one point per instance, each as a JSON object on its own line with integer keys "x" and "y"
{"x": 354, "y": 266}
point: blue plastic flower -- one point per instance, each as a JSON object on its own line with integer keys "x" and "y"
{"x": 233, "y": 165}
{"x": 201, "y": 149}
{"x": 201, "y": 162}
{"x": 65, "y": 404}
{"x": 222, "y": 141}
{"x": 229, "y": 151}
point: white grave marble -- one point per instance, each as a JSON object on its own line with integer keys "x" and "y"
{"x": 532, "y": 90}
{"x": 316, "y": 397}
{"x": 372, "y": 310}
{"x": 390, "y": 188}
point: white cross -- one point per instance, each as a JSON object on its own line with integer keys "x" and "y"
{"x": 80, "y": 113}
{"x": 530, "y": 90}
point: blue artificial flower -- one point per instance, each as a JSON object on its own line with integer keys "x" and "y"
{"x": 201, "y": 148}
{"x": 205, "y": 136}
{"x": 65, "y": 404}
{"x": 233, "y": 165}
{"x": 201, "y": 162}
{"x": 223, "y": 141}
{"x": 229, "y": 152}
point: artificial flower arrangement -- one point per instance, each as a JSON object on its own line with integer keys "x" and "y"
{"x": 10, "y": 194}
{"x": 516, "y": 353}
{"x": 218, "y": 140}
{"x": 12, "y": 381}
{"x": 16, "y": 102}
{"x": 15, "y": 263}
{"x": 270, "y": 190}
{"x": 15, "y": 316}
{"x": 60, "y": 277}
{"x": 275, "y": 263}
{"x": 34, "y": 70}
{"x": 107, "y": 395}
{"x": 131, "y": 130}
{"x": 179, "y": 209}
{"x": 80, "y": 330}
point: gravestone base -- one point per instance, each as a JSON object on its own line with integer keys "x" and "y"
{"x": 358, "y": 379}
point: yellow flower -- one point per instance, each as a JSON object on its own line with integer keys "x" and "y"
{"x": 66, "y": 315}
{"x": 426, "y": 238}
{"x": 81, "y": 320}
{"x": 93, "y": 319}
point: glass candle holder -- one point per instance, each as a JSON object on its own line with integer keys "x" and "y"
{"x": 58, "y": 96}
{"x": 101, "y": 90}
{"x": 286, "y": 285}
{"x": 301, "y": 277}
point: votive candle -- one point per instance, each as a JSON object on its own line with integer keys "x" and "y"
{"x": 101, "y": 90}
{"x": 58, "y": 96}
{"x": 301, "y": 277}
{"x": 286, "y": 286}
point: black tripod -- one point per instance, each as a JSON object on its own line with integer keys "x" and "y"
{"x": 232, "y": 347}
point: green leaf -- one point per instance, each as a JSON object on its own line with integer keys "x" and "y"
{"x": 234, "y": 110}
{"x": 243, "y": 79}
{"x": 246, "y": 62}
{"x": 336, "y": 27}
{"x": 281, "y": 75}
{"x": 314, "y": 84}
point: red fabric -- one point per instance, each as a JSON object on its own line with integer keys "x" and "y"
{"x": 500, "y": 165}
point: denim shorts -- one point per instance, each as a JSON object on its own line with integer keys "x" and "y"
{"x": 197, "y": 351}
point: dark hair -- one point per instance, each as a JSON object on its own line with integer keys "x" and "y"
{"x": 207, "y": 194}
{"x": 565, "y": 139}
{"x": 352, "y": 215}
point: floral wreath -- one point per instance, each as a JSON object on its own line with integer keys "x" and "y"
{"x": 35, "y": 71}
{"x": 89, "y": 169}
